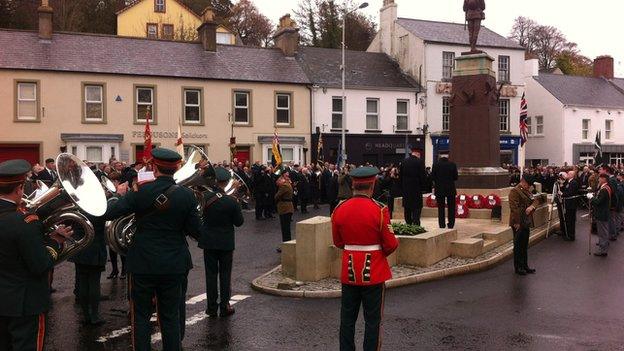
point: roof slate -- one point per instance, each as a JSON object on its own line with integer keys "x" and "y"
{"x": 72, "y": 52}
{"x": 454, "y": 33}
{"x": 364, "y": 69}
{"x": 582, "y": 91}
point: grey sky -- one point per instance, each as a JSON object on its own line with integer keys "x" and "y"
{"x": 599, "y": 36}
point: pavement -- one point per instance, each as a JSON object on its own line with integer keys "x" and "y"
{"x": 572, "y": 303}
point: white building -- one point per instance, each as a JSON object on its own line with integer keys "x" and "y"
{"x": 382, "y": 108}
{"x": 427, "y": 50}
{"x": 566, "y": 113}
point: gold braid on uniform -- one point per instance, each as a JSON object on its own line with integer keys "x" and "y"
{"x": 52, "y": 252}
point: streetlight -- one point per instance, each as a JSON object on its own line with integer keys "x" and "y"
{"x": 343, "y": 152}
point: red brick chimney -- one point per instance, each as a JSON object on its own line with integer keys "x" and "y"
{"x": 45, "y": 20}
{"x": 603, "y": 67}
{"x": 208, "y": 30}
{"x": 287, "y": 36}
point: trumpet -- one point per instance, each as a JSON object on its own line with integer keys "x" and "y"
{"x": 75, "y": 193}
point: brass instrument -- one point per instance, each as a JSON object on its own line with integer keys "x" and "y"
{"x": 198, "y": 175}
{"x": 76, "y": 191}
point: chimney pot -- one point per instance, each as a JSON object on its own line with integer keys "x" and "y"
{"x": 287, "y": 36}
{"x": 208, "y": 30}
{"x": 603, "y": 67}
{"x": 45, "y": 20}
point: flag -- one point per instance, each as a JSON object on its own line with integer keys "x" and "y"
{"x": 339, "y": 159}
{"x": 524, "y": 128}
{"x": 276, "y": 159}
{"x": 179, "y": 143}
{"x": 598, "y": 148}
{"x": 147, "y": 137}
{"x": 319, "y": 149}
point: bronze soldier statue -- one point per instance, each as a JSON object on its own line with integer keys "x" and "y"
{"x": 474, "y": 15}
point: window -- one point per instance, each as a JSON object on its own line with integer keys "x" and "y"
{"x": 402, "y": 115}
{"x": 585, "y": 126}
{"x": 192, "y": 106}
{"x": 93, "y": 103}
{"x": 145, "y": 104}
{"x": 448, "y": 64}
{"x": 282, "y": 108}
{"x": 503, "y": 69}
{"x": 74, "y": 150}
{"x": 224, "y": 38}
{"x": 616, "y": 158}
{"x": 608, "y": 128}
{"x": 539, "y": 125}
{"x": 586, "y": 158}
{"x": 504, "y": 115}
{"x": 152, "y": 31}
{"x": 167, "y": 32}
{"x": 241, "y": 107}
{"x": 529, "y": 126}
{"x": 288, "y": 155}
{"x": 337, "y": 112}
{"x": 372, "y": 114}
{"x": 446, "y": 114}
{"x": 94, "y": 153}
{"x": 27, "y": 108}
{"x": 159, "y": 6}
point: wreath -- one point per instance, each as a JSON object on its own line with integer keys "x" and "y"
{"x": 431, "y": 201}
{"x": 462, "y": 211}
{"x": 492, "y": 201}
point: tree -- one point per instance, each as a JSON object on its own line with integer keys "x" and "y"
{"x": 221, "y": 8}
{"x": 550, "y": 45}
{"x": 249, "y": 24}
{"x": 572, "y": 63}
{"x": 321, "y": 25}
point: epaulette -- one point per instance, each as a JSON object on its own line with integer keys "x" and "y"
{"x": 31, "y": 218}
{"x": 338, "y": 205}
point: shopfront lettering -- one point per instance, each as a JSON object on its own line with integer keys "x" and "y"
{"x": 170, "y": 135}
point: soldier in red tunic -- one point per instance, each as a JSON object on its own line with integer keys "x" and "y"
{"x": 361, "y": 227}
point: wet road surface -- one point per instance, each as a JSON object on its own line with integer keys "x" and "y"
{"x": 574, "y": 302}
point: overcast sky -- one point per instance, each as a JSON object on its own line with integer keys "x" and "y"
{"x": 594, "y": 25}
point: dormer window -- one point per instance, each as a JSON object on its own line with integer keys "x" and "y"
{"x": 159, "y": 6}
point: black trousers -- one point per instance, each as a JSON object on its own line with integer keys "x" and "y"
{"x": 184, "y": 287}
{"x": 88, "y": 286}
{"x": 285, "y": 220}
{"x": 562, "y": 222}
{"x": 570, "y": 224}
{"x": 303, "y": 201}
{"x": 332, "y": 206}
{"x": 113, "y": 258}
{"x": 22, "y": 333}
{"x": 260, "y": 205}
{"x": 521, "y": 248}
{"x": 167, "y": 288}
{"x": 442, "y": 202}
{"x": 371, "y": 298}
{"x": 390, "y": 205}
{"x": 412, "y": 214}
{"x": 218, "y": 270}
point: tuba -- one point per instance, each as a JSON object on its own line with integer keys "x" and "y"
{"x": 76, "y": 191}
{"x": 198, "y": 175}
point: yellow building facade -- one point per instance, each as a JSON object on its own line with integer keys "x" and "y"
{"x": 164, "y": 19}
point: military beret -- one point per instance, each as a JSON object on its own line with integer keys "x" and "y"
{"x": 13, "y": 171}
{"x": 222, "y": 174}
{"x": 364, "y": 174}
{"x": 165, "y": 158}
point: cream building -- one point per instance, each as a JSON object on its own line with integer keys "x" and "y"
{"x": 164, "y": 19}
{"x": 89, "y": 95}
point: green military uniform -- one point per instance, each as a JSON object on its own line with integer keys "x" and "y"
{"x": 26, "y": 256}
{"x": 90, "y": 263}
{"x": 519, "y": 200}
{"x": 221, "y": 214}
{"x": 158, "y": 259}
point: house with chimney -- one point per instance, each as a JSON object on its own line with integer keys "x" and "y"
{"x": 91, "y": 94}
{"x": 567, "y": 112}
{"x": 381, "y": 108}
{"x": 165, "y": 19}
{"x": 426, "y": 50}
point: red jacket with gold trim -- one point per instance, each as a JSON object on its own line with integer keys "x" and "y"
{"x": 361, "y": 227}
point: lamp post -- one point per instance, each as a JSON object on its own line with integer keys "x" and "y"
{"x": 343, "y": 151}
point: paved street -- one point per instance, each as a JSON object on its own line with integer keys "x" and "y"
{"x": 573, "y": 303}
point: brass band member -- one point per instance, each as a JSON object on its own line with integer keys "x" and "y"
{"x": 26, "y": 256}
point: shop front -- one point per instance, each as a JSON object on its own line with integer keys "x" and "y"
{"x": 509, "y": 147}
{"x": 378, "y": 150}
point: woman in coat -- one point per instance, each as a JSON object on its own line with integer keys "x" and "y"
{"x": 285, "y": 208}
